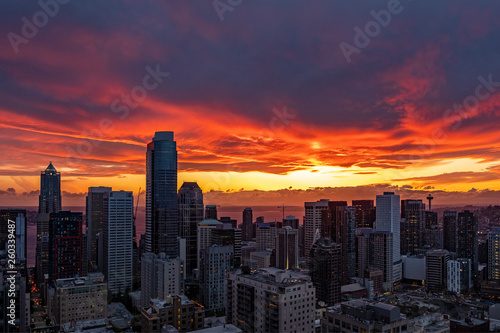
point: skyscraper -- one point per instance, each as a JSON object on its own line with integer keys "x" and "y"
{"x": 65, "y": 244}
{"x": 211, "y": 212}
{"x": 247, "y": 228}
{"x": 96, "y": 211}
{"x": 216, "y": 264}
{"x": 450, "y": 230}
{"x": 312, "y": 222}
{"x": 325, "y": 268}
{"x": 467, "y": 244}
{"x": 161, "y": 195}
{"x": 436, "y": 270}
{"x": 266, "y": 236}
{"x": 287, "y": 248}
{"x": 224, "y": 234}
{"x": 494, "y": 254}
{"x": 118, "y": 236}
{"x": 190, "y": 201}
{"x": 388, "y": 219}
{"x": 413, "y": 225}
{"x": 18, "y": 216}
{"x": 382, "y": 255}
{"x": 365, "y": 213}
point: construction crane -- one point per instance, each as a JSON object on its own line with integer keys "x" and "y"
{"x": 135, "y": 213}
{"x": 283, "y": 207}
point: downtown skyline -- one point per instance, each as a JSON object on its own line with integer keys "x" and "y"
{"x": 273, "y": 107}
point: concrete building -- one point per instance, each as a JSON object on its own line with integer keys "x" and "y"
{"x": 225, "y": 234}
{"x": 494, "y": 254}
{"x": 260, "y": 259}
{"x": 204, "y": 237}
{"x": 287, "y": 248}
{"x": 459, "y": 275}
{"x": 270, "y": 300}
{"x": 216, "y": 263}
{"x": 266, "y": 236}
{"x": 467, "y": 243}
{"x": 176, "y": 310}
{"x": 414, "y": 269}
{"x": 160, "y": 277}
{"x": 436, "y": 265}
{"x": 312, "y": 222}
{"x": 79, "y": 299}
{"x": 363, "y": 316}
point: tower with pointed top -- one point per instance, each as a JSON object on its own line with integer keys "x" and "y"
{"x": 50, "y": 191}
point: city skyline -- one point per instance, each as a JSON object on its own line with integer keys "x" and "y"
{"x": 299, "y": 113}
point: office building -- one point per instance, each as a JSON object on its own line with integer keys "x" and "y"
{"x": 65, "y": 244}
{"x": 176, "y": 310}
{"x": 291, "y": 221}
{"x": 190, "y": 199}
{"x": 247, "y": 228}
{"x": 365, "y": 213}
{"x": 216, "y": 264}
{"x": 79, "y": 299}
{"x": 229, "y": 220}
{"x": 412, "y": 226}
{"x": 224, "y": 235}
{"x": 431, "y": 219}
{"x": 312, "y": 223}
{"x": 364, "y": 316}
{"x": 287, "y": 248}
{"x": 211, "y": 212}
{"x": 459, "y": 275}
{"x": 18, "y": 218}
{"x": 388, "y": 220}
{"x": 434, "y": 237}
{"x": 382, "y": 256}
{"x": 436, "y": 266}
{"x": 467, "y": 243}
{"x": 450, "y": 230}
{"x": 204, "y": 237}
{"x": 161, "y": 277}
{"x": 161, "y": 195}
{"x": 270, "y": 300}
{"x": 118, "y": 238}
{"x": 325, "y": 268}
{"x": 364, "y": 250}
{"x": 96, "y": 213}
{"x": 266, "y": 236}
{"x": 494, "y": 254}
{"x": 260, "y": 259}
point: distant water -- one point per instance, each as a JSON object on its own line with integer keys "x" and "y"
{"x": 270, "y": 213}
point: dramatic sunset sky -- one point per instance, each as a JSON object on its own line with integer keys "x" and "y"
{"x": 265, "y": 106}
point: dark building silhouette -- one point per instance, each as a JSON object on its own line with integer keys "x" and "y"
{"x": 325, "y": 268}
{"x": 65, "y": 243}
{"x": 450, "y": 230}
{"x": 467, "y": 243}
{"x": 247, "y": 228}
{"x": 18, "y": 216}
{"x": 431, "y": 219}
{"x": 365, "y": 213}
{"x": 287, "y": 248}
{"x": 190, "y": 200}
{"x": 412, "y": 226}
{"x": 227, "y": 219}
{"x": 211, "y": 212}
{"x": 96, "y": 213}
{"x": 161, "y": 195}
{"x": 224, "y": 235}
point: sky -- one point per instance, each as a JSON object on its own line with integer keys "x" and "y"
{"x": 280, "y": 101}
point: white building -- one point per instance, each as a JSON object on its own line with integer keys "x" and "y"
{"x": 388, "y": 218}
{"x": 160, "y": 277}
{"x": 312, "y": 222}
{"x": 205, "y": 235}
{"x": 274, "y": 300}
{"x": 459, "y": 275}
{"x": 118, "y": 238}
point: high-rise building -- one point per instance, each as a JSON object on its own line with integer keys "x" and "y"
{"x": 312, "y": 223}
{"x": 49, "y": 202}
{"x": 434, "y": 237}
{"x": 436, "y": 266}
{"x": 382, "y": 255}
{"x": 467, "y": 243}
{"x": 190, "y": 199}
{"x": 78, "y": 299}
{"x": 211, "y": 212}
{"x": 325, "y": 268}
{"x": 204, "y": 238}
{"x": 247, "y": 228}
{"x": 216, "y": 264}
{"x": 291, "y": 221}
{"x": 18, "y": 218}
{"x": 95, "y": 215}
{"x": 266, "y": 236}
{"x": 450, "y": 230}
{"x": 50, "y": 191}
{"x": 388, "y": 220}
{"x": 229, "y": 220}
{"x": 224, "y": 235}
{"x": 459, "y": 275}
{"x": 494, "y": 254}
{"x": 118, "y": 238}
{"x": 287, "y": 248}
{"x": 364, "y": 250}
{"x": 161, "y": 195}
{"x": 431, "y": 219}
{"x": 413, "y": 226}
{"x": 365, "y": 213}
{"x": 160, "y": 277}
{"x": 270, "y": 300}
{"x": 65, "y": 244}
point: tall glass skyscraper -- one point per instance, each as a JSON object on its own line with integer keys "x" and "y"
{"x": 50, "y": 191}
{"x": 161, "y": 195}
